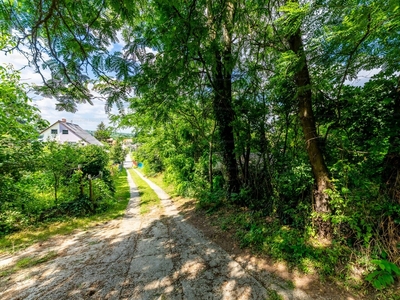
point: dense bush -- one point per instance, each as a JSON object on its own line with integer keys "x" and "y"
{"x": 56, "y": 185}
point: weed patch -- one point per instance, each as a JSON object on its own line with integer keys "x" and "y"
{"x": 27, "y": 262}
{"x": 281, "y": 242}
{"x": 273, "y": 295}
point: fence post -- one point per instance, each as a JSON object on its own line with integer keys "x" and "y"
{"x": 80, "y": 180}
{"x": 90, "y": 189}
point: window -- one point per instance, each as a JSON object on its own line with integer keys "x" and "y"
{"x": 65, "y": 131}
{"x": 54, "y": 131}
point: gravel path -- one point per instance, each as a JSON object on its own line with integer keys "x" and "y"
{"x": 155, "y": 256}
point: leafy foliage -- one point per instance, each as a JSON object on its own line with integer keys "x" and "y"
{"x": 57, "y": 186}
{"x": 117, "y": 152}
{"x": 102, "y": 133}
{"x": 384, "y": 276}
{"x": 18, "y": 117}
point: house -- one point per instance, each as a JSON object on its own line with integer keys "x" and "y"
{"x": 66, "y": 132}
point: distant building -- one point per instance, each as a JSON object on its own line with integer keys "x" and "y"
{"x": 111, "y": 141}
{"x": 65, "y": 132}
{"x": 127, "y": 144}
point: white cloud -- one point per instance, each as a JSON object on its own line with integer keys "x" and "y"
{"x": 117, "y": 46}
{"x": 88, "y": 116}
{"x": 362, "y": 77}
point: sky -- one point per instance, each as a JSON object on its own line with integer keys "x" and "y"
{"x": 88, "y": 116}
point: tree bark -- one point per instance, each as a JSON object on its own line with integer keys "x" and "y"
{"x": 391, "y": 170}
{"x": 225, "y": 115}
{"x": 317, "y": 161}
{"x": 210, "y": 160}
{"x": 390, "y": 185}
{"x": 222, "y": 102}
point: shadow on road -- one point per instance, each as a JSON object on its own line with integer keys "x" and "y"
{"x": 135, "y": 258}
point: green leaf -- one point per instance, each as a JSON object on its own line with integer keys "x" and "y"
{"x": 370, "y": 277}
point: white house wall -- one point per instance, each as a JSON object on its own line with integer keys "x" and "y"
{"x": 60, "y": 137}
{"x": 47, "y": 136}
{"x": 70, "y": 137}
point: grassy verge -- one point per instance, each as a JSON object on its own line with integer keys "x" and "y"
{"x": 27, "y": 262}
{"x": 148, "y": 197}
{"x": 168, "y": 188}
{"x": 43, "y": 231}
{"x": 267, "y": 236}
{"x": 334, "y": 262}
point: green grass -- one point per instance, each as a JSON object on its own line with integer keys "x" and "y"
{"x": 148, "y": 197}
{"x": 273, "y": 295}
{"x": 281, "y": 242}
{"x": 43, "y": 231}
{"x": 168, "y": 188}
{"x": 27, "y": 262}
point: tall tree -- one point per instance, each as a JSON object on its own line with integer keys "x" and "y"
{"x": 250, "y": 61}
{"x": 19, "y": 120}
{"x": 102, "y": 133}
{"x": 306, "y": 114}
{"x": 221, "y": 35}
{"x": 194, "y": 41}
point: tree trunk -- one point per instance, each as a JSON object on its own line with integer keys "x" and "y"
{"x": 210, "y": 160}
{"x": 55, "y": 188}
{"x": 246, "y": 155}
{"x": 317, "y": 161}
{"x": 391, "y": 171}
{"x": 224, "y": 115}
{"x": 222, "y": 102}
{"x": 210, "y": 167}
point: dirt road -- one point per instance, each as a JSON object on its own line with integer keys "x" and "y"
{"x": 155, "y": 256}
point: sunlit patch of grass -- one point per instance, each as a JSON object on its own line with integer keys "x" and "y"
{"x": 280, "y": 242}
{"x": 273, "y": 295}
{"x": 66, "y": 225}
{"x": 148, "y": 197}
{"x": 27, "y": 262}
{"x": 168, "y": 188}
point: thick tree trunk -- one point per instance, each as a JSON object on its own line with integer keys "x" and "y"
{"x": 225, "y": 115}
{"x": 317, "y": 161}
{"x": 391, "y": 182}
{"x": 222, "y": 84}
{"x": 391, "y": 171}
